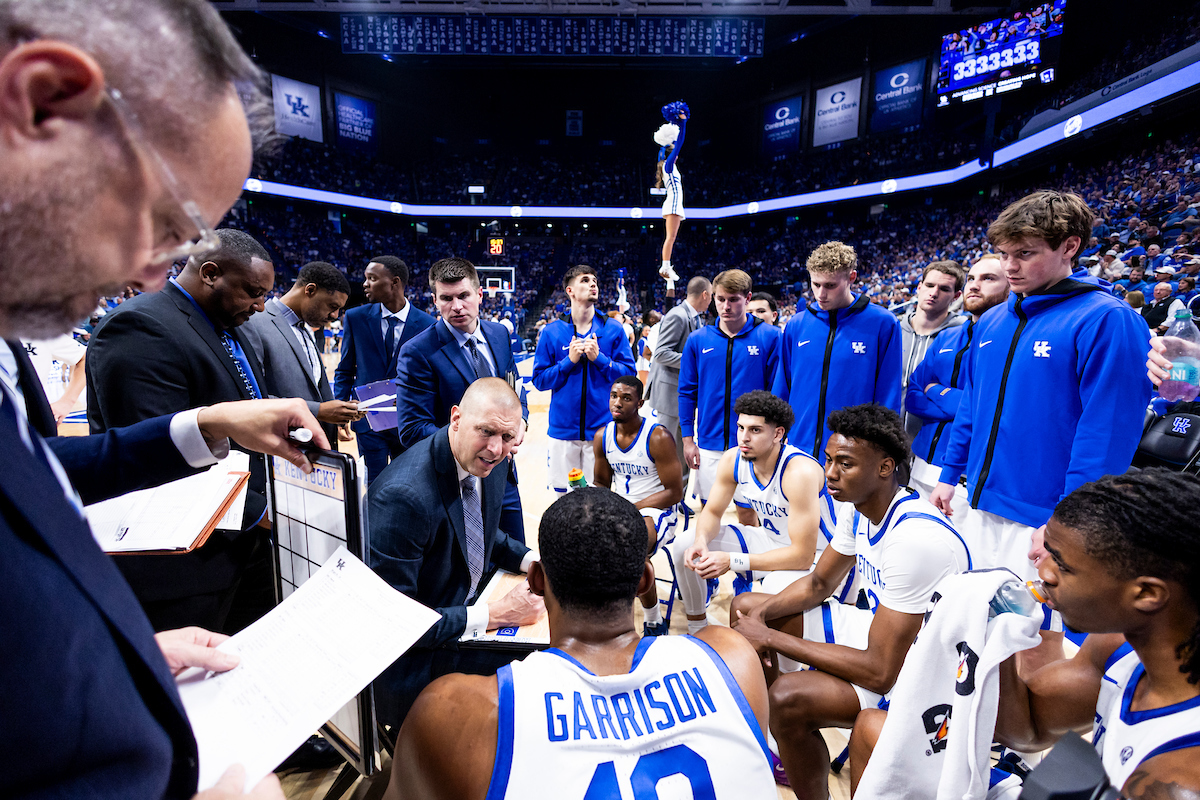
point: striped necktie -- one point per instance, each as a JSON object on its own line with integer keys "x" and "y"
{"x": 482, "y": 370}
{"x": 473, "y": 525}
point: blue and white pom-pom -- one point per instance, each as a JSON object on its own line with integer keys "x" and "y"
{"x": 666, "y": 135}
{"x": 671, "y": 111}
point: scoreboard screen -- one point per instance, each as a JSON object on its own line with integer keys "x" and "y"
{"x": 496, "y": 246}
{"x": 1001, "y": 55}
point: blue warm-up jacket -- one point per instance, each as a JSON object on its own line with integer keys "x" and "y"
{"x": 716, "y": 370}
{"x": 944, "y": 366}
{"x": 1054, "y": 397}
{"x": 834, "y": 359}
{"x": 579, "y": 392}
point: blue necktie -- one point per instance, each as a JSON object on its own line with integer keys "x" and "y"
{"x": 473, "y": 525}
{"x": 227, "y": 340}
{"x": 482, "y": 370}
{"x": 392, "y": 322}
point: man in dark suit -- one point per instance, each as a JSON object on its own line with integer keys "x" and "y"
{"x": 677, "y": 325}
{"x": 435, "y": 525}
{"x": 372, "y": 336}
{"x": 87, "y": 203}
{"x": 287, "y": 354}
{"x": 172, "y": 350}
{"x": 438, "y": 365}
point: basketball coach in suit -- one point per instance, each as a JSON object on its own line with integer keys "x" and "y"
{"x": 677, "y": 325}
{"x": 434, "y": 518}
{"x": 168, "y": 351}
{"x": 437, "y": 366}
{"x": 289, "y": 358}
{"x": 372, "y": 336}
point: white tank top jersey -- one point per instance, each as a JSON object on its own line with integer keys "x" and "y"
{"x": 769, "y": 502}
{"x": 899, "y": 563}
{"x": 1126, "y": 738}
{"x": 634, "y": 475}
{"x": 677, "y": 725}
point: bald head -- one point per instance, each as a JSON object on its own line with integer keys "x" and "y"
{"x": 485, "y": 426}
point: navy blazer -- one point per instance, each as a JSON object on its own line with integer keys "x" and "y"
{"x": 98, "y": 712}
{"x": 433, "y": 374}
{"x": 364, "y": 359}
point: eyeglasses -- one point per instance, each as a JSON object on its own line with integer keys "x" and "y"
{"x": 205, "y": 239}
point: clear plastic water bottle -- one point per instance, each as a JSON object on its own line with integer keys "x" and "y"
{"x": 1020, "y": 598}
{"x": 1182, "y": 341}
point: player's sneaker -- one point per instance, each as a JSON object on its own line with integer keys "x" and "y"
{"x": 668, "y": 272}
{"x": 659, "y": 629}
{"x": 777, "y": 770}
{"x": 713, "y": 586}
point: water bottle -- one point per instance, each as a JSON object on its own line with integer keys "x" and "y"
{"x": 575, "y": 479}
{"x": 1020, "y": 598}
{"x": 1182, "y": 341}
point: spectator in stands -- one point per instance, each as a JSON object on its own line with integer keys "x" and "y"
{"x": 1161, "y": 313}
{"x": 1166, "y": 275}
{"x": 1135, "y": 299}
{"x": 763, "y": 306}
{"x": 941, "y": 285}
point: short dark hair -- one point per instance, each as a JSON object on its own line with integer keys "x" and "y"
{"x": 325, "y": 275}
{"x": 453, "y": 270}
{"x": 1111, "y": 515}
{"x": 951, "y": 268}
{"x": 759, "y": 403}
{"x": 393, "y": 264}
{"x": 634, "y": 381}
{"x": 575, "y": 271}
{"x": 237, "y": 249}
{"x": 768, "y": 298}
{"x": 876, "y": 425}
{"x": 1048, "y": 215}
{"x": 593, "y": 550}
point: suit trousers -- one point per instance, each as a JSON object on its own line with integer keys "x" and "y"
{"x": 672, "y": 426}
{"x": 377, "y": 449}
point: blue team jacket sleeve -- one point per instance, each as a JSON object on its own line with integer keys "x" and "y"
{"x": 954, "y": 462}
{"x": 551, "y": 365}
{"x": 939, "y": 403}
{"x": 343, "y": 376}
{"x": 669, "y": 164}
{"x": 619, "y": 359}
{"x": 689, "y": 381}
{"x": 890, "y": 368}
{"x": 414, "y": 397}
{"x": 781, "y": 386}
{"x": 1113, "y": 393}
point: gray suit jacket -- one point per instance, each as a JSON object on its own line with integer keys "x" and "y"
{"x": 668, "y": 352}
{"x": 284, "y": 363}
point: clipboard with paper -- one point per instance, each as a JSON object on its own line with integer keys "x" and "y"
{"x": 378, "y": 400}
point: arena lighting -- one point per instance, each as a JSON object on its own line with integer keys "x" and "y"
{"x": 475, "y": 189}
{"x": 1152, "y": 92}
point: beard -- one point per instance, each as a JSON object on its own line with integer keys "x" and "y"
{"x": 47, "y": 264}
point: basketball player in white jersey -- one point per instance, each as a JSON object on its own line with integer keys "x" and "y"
{"x": 1123, "y": 559}
{"x": 636, "y": 458}
{"x": 603, "y": 713}
{"x": 782, "y": 484}
{"x": 901, "y": 545}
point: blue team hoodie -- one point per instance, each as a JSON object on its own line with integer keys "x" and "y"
{"x": 716, "y": 370}
{"x": 579, "y": 392}
{"x": 944, "y": 366}
{"x": 835, "y": 359}
{"x": 1054, "y": 397}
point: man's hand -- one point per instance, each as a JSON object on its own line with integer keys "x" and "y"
{"x": 693, "y": 555}
{"x": 941, "y": 496}
{"x": 234, "y": 780}
{"x": 1158, "y": 366}
{"x": 337, "y": 412}
{"x": 691, "y": 452}
{"x": 60, "y": 408}
{"x": 524, "y": 426}
{"x": 262, "y": 426}
{"x": 518, "y": 607}
{"x": 575, "y": 351}
{"x": 344, "y": 433}
{"x": 712, "y": 564}
{"x": 591, "y": 347}
{"x": 756, "y": 632}
{"x": 194, "y": 647}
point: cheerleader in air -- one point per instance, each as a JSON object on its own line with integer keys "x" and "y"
{"x": 670, "y": 138}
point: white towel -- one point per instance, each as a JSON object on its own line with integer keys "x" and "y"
{"x": 937, "y": 738}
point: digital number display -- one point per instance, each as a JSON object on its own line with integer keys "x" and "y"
{"x": 1000, "y": 55}
{"x": 496, "y": 246}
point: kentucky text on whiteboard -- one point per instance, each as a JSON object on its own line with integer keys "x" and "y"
{"x": 322, "y": 479}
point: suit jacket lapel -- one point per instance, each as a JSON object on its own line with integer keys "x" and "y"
{"x": 34, "y": 493}
{"x": 210, "y": 337}
{"x": 289, "y": 335}
{"x": 454, "y": 352}
{"x": 498, "y": 345}
{"x": 37, "y": 407}
{"x": 375, "y": 334}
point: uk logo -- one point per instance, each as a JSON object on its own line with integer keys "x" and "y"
{"x": 1041, "y": 349}
{"x": 752, "y": 349}
{"x": 859, "y": 347}
{"x": 1180, "y": 425}
{"x": 299, "y": 107}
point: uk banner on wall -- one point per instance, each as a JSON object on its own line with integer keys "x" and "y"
{"x": 835, "y": 112}
{"x": 356, "y": 123}
{"x": 899, "y": 96}
{"x": 781, "y": 127}
{"x": 297, "y": 108}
